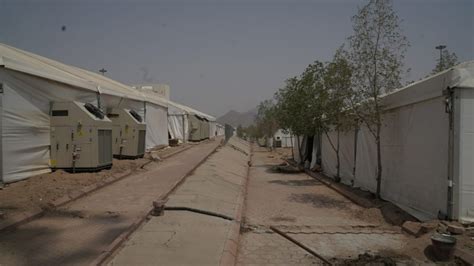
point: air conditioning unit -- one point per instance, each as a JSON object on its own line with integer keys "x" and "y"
{"x": 128, "y": 134}
{"x": 81, "y": 137}
{"x": 204, "y": 128}
{"x": 194, "y": 128}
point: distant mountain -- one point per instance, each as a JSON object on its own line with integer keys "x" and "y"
{"x": 235, "y": 118}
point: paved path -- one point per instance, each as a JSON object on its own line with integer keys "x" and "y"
{"x": 189, "y": 238}
{"x": 80, "y": 231}
{"x": 310, "y": 213}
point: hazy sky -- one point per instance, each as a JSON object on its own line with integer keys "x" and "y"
{"x": 219, "y": 55}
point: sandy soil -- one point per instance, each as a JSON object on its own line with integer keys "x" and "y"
{"x": 36, "y": 192}
{"x": 392, "y": 217}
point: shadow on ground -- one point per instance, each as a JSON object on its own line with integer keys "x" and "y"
{"x": 296, "y": 183}
{"x": 37, "y": 243}
{"x": 318, "y": 201}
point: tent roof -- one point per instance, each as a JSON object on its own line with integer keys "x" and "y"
{"x": 32, "y": 64}
{"x": 190, "y": 110}
{"x": 461, "y": 76}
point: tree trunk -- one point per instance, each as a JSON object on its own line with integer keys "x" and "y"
{"x": 379, "y": 162}
{"x": 299, "y": 150}
{"x": 292, "y": 147}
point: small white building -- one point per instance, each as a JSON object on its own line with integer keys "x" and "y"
{"x": 282, "y": 139}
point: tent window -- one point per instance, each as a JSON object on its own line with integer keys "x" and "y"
{"x": 60, "y": 113}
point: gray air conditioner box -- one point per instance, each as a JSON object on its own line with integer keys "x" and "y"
{"x": 81, "y": 137}
{"x": 128, "y": 134}
{"x": 194, "y": 128}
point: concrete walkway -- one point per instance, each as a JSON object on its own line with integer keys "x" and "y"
{"x": 190, "y": 238}
{"x": 80, "y": 231}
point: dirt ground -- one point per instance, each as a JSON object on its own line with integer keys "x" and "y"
{"x": 322, "y": 219}
{"x": 36, "y": 192}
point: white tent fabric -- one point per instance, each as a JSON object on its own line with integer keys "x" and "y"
{"x": 220, "y": 130}
{"x": 346, "y": 150}
{"x": 177, "y": 123}
{"x": 415, "y": 137}
{"x": 285, "y": 138}
{"x": 297, "y": 142}
{"x": 156, "y": 126}
{"x": 212, "y": 129}
{"x": 466, "y": 154}
{"x": 314, "y": 156}
{"x": 414, "y": 154}
{"x": 346, "y": 155}
{"x": 328, "y": 155}
{"x": 25, "y": 122}
{"x": 31, "y": 83}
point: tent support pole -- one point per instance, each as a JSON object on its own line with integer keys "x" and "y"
{"x": 450, "y": 110}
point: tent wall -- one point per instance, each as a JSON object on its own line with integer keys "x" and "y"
{"x": 26, "y": 103}
{"x": 285, "y": 138}
{"x": 297, "y": 142}
{"x": 328, "y": 155}
{"x": 156, "y": 125}
{"x": 314, "y": 155}
{"x": 414, "y": 158}
{"x": 464, "y": 169}
{"x": 220, "y": 130}
{"x": 176, "y": 127}
{"x": 212, "y": 129}
{"x": 346, "y": 155}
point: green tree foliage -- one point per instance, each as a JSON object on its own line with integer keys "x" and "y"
{"x": 266, "y": 122}
{"x": 299, "y": 108}
{"x": 240, "y": 131}
{"x": 337, "y": 90}
{"x": 446, "y": 61}
{"x": 377, "y": 51}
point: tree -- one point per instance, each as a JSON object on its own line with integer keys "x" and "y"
{"x": 266, "y": 119}
{"x": 240, "y": 131}
{"x": 377, "y": 49}
{"x": 299, "y": 107}
{"x": 446, "y": 61}
{"x": 337, "y": 114}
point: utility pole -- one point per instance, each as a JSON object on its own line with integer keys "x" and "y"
{"x": 440, "y": 48}
{"x": 103, "y": 71}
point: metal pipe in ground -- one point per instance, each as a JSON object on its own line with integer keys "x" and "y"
{"x": 312, "y": 252}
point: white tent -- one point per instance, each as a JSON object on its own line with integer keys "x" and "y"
{"x": 284, "y": 137}
{"x": 425, "y": 160}
{"x": 178, "y": 122}
{"x": 30, "y": 83}
{"x": 220, "y": 129}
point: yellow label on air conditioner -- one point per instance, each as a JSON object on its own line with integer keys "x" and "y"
{"x": 52, "y": 163}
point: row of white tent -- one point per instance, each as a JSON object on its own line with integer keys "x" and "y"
{"x": 427, "y": 148}
{"x": 30, "y": 83}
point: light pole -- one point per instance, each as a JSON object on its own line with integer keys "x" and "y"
{"x": 440, "y": 48}
{"x": 103, "y": 71}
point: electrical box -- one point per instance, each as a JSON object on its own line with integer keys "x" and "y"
{"x": 81, "y": 137}
{"x": 204, "y": 128}
{"x": 194, "y": 128}
{"x": 128, "y": 134}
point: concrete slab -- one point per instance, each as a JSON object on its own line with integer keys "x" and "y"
{"x": 80, "y": 231}
{"x": 177, "y": 238}
{"x": 190, "y": 238}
